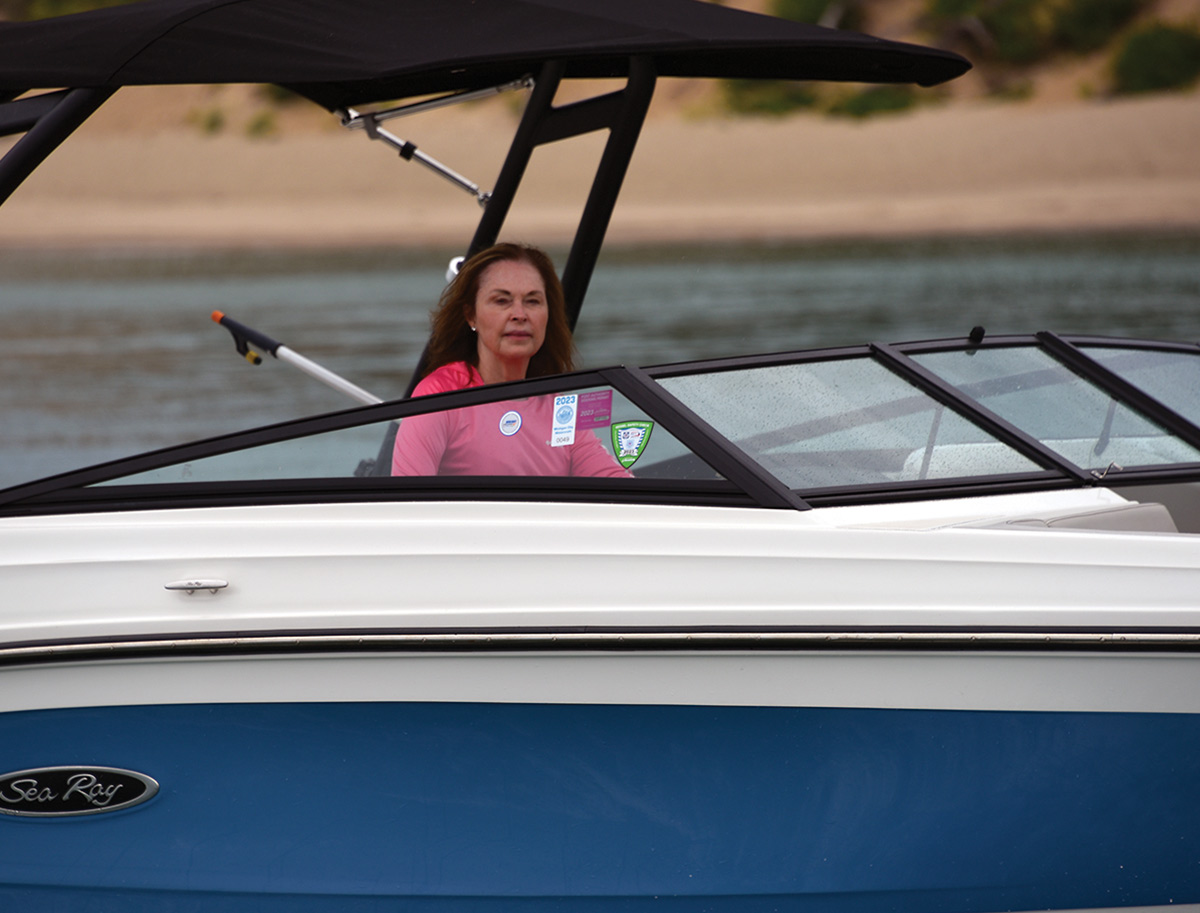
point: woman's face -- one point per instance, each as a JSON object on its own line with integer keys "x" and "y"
{"x": 511, "y": 313}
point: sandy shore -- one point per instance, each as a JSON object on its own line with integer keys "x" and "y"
{"x": 975, "y": 168}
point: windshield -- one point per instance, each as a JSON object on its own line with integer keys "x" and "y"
{"x": 593, "y": 432}
{"x": 789, "y": 430}
{"x": 1067, "y": 413}
{"x": 844, "y": 422}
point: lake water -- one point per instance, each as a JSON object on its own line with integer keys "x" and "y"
{"x": 108, "y": 354}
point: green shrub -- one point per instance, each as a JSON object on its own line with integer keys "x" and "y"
{"x": 278, "y": 95}
{"x": 952, "y": 9}
{"x": 759, "y": 96}
{"x": 756, "y": 96}
{"x": 1022, "y": 29}
{"x": 875, "y": 100}
{"x": 262, "y": 125}
{"x": 811, "y": 11}
{"x": 46, "y": 9}
{"x": 1084, "y": 26}
{"x": 210, "y": 120}
{"x": 1014, "y": 90}
{"x": 1156, "y": 58}
{"x": 1026, "y": 31}
{"x": 799, "y": 10}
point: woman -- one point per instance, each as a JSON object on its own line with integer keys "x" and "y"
{"x": 502, "y": 318}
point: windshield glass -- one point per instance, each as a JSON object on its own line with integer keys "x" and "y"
{"x": 1171, "y": 377}
{"x": 844, "y": 422}
{"x": 592, "y": 432}
{"x": 1068, "y": 414}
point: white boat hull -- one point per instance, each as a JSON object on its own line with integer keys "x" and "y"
{"x": 515, "y": 707}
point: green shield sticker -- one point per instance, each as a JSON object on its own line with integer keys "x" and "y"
{"x": 629, "y": 440}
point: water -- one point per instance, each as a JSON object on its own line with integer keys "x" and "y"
{"x": 104, "y": 355}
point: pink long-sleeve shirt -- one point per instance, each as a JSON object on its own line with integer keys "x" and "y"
{"x": 496, "y": 439}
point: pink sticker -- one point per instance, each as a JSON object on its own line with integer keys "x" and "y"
{"x": 595, "y": 410}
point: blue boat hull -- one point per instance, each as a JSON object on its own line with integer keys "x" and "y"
{"x": 498, "y": 807}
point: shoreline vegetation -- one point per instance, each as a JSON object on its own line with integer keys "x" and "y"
{"x": 1121, "y": 165}
{"x": 1039, "y": 148}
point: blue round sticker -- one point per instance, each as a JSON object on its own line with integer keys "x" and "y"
{"x": 510, "y": 423}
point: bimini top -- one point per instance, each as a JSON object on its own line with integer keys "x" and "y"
{"x": 351, "y": 52}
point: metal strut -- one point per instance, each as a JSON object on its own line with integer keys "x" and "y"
{"x": 46, "y": 120}
{"x": 369, "y": 122}
{"x": 622, "y": 114}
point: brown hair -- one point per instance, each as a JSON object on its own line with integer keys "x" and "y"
{"x": 452, "y": 339}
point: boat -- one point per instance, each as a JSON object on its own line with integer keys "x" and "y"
{"x": 892, "y": 626}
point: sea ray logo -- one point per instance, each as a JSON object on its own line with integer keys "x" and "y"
{"x": 55, "y": 792}
{"x": 629, "y": 439}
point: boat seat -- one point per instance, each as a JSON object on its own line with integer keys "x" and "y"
{"x": 1134, "y": 517}
{"x": 980, "y": 457}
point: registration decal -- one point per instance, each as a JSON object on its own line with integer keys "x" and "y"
{"x": 566, "y": 408}
{"x": 595, "y": 410}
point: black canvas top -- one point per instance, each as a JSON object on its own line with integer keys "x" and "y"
{"x": 348, "y": 52}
